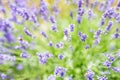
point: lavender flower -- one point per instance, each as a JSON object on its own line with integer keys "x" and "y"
{"x": 97, "y": 33}
{"x": 60, "y": 71}
{"x": 102, "y": 22}
{"x": 87, "y": 46}
{"x": 60, "y": 56}
{"x": 43, "y": 57}
{"x": 50, "y": 43}
{"x": 107, "y": 64}
{"x": 116, "y": 69}
{"x": 59, "y": 45}
{"x": 27, "y": 32}
{"x": 54, "y": 28}
{"x": 83, "y": 37}
{"x": 109, "y": 26}
{"x": 90, "y": 14}
{"x": 24, "y": 55}
{"x": 66, "y": 32}
{"x": 89, "y": 75}
{"x": 52, "y": 19}
{"x": 71, "y": 27}
{"x": 71, "y": 14}
{"x": 44, "y": 34}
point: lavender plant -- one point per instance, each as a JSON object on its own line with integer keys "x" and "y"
{"x": 59, "y": 39}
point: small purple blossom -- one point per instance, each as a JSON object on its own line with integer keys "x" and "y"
{"x": 43, "y": 57}
{"x": 89, "y": 75}
{"x": 52, "y": 19}
{"x": 107, "y": 64}
{"x": 60, "y": 56}
{"x": 71, "y": 27}
{"x": 59, "y": 45}
{"x": 60, "y": 71}
{"x": 44, "y": 34}
{"x": 24, "y": 55}
{"x": 27, "y": 32}
{"x": 54, "y": 28}
{"x": 66, "y": 32}
{"x": 109, "y": 26}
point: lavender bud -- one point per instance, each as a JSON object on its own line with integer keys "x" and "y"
{"x": 66, "y": 32}
{"x": 27, "y": 32}
{"x": 89, "y": 75}
{"x": 52, "y": 19}
{"x": 87, "y": 46}
{"x": 109, "y": 26}
{"x": 116, "y": 69}
{"x": 24, "y": 55}
{"x": 83, "y": 37}
{"x": 59, "y": 45}
{"x": 44, "y": 34}
{"x": 71, "y": 14}
{"x": 60, "y": 71}
{"x": 89, "y": 14}
{"x": 50, "y": 43}
{"x": 54, "y": 28}
{"x": 107, "y": 64}
{"x": 71, "y": 27}
{"x": 60, "y": 56}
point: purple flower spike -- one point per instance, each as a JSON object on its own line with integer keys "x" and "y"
{"x": 97, "y": 34}
{"x": 71, "y": 27}
{"x": 24, "y": 55}
{"x": 52, "y": 19}
{"x": 102, "y": 22}
{"x": 27, "y": 32}
{"x": 71, "y": 14}
{"x": 43, "y": 57}
{"x": 44, "y": 34}
{"x": 54, "y": 28}
{"x": 66, "y": 32}
{"x": 83, "y": 37}
{"x": 60, "y": 71}
{"x": 59, "y": 45}
{"x": 89, "y": 75}
{"x": 109, "y": 26}
{"x": 116, "y": 69}
{"x": 80, "y": 3}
